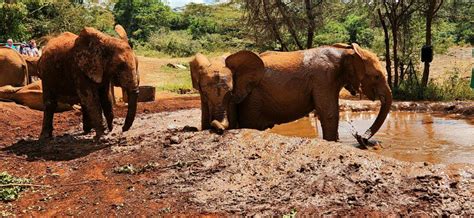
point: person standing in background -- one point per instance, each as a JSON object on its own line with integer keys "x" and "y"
{"x": 10, "y": 44}
{"x": 32, "y": 49}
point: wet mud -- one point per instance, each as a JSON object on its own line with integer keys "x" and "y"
{"x": 242, "y": 172}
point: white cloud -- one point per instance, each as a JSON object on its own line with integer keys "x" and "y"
{"x": 179, "y": 3}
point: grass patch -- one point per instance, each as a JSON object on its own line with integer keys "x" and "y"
{"x": 453, "y": 88}
{"x": 148, "y": 52}
{"x": 11, "y": 193}
{"x": 176, "y": 80}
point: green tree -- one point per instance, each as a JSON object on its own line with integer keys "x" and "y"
{"x": 143, "y": 17}
{"x": 12, "y": 23}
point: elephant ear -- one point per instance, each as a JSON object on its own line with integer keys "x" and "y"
{"x": 88, "y": 54}
{"x": 247, "y": 70}
{"x": 359, "y": 51}
{"x": 358, "y": 61}
{"x": 198, "y": 66}
{"x": 121, "y": 32}
{"x": 32, "y": 63}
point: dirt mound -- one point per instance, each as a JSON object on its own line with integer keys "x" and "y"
{"x": 161, "y": 166}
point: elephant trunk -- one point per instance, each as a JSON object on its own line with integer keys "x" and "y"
{"x": 220, "y": 121}
{"x": 386, "y": 103}
{"x": 132, "y": 108}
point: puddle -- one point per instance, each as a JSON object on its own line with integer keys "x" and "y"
{"x": 408, "y": 136}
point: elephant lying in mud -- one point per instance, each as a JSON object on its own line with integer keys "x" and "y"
{"x": 30, "y": 95}
{"x": 16, "y": 69}
{"x": 258, "y": 91}
{"x": 80, "y": 69}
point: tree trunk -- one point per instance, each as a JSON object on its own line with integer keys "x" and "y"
{"x": 426, "y": 69}
{"x": 395, "y": 54}
{"x": 289, "y": 23}
{"x": 388, "y": 62}
{"x": 273, "y": 26}
{"x": 311, "y": 23}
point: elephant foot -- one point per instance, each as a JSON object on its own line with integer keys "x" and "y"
{"x": 98, "y": 134}
{"x": 86, "y": 131}
{"x": 45, "y": 136}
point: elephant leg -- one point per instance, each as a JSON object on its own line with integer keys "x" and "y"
{"x": 205, "y": 119}
{"x": 86, "y": 123}
{"x": 50, "y": 103}
{"x": 106, "y": 101}
{"x": 327, "y": 109}
{"x": 90, "y": 98}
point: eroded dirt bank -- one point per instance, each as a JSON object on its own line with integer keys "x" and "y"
{"x": 163, "y": 167}
{"x": 463, "y": 108}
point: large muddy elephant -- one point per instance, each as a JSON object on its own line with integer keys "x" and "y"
{"x": 16, "y": 69}
{"x": 80, "y": 69}
{"x": 250, "y": 91}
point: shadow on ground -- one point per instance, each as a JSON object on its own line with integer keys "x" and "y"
{"x": 61, "y": 148}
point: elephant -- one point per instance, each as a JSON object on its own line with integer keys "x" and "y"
{"x": 30, "y": 95}
{"x": 247, "y": 90}
{"x": 80, "y": 69}
{"x": 16, "y": 69}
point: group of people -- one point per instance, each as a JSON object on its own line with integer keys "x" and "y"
{"x": 29, "y": 49}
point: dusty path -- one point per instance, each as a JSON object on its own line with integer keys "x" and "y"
{"x": 163, "y": 167}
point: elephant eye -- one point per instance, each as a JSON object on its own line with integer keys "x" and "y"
{"x": 377, "y": 77}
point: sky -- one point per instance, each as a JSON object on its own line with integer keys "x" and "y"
{"x": 179, "y": 3}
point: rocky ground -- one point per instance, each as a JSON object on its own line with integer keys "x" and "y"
{"x": 163, "y": 165}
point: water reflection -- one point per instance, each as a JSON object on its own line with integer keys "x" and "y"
{"x": 406, "y": 136}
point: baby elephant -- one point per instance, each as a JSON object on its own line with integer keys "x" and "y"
{"x": 80, "y": 69}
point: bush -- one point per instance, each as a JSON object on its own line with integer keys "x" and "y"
{"x": 453, "y": 88}
{"x": 11, "y": 193}
{"x": 175, "y": 43}
{"x": 12, "y": 23}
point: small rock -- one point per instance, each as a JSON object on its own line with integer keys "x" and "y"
{"x": 175, "y": 140}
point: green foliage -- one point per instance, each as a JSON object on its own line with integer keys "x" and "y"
{"x": 175, "y": 43}
{"x": 453, "y": 88}
{"x": 12, "y": 24}
{"x": 332, "y": 32}
{"x": 11, "y": 193}
{"x": 35, "y": 19}
{"x": 292, "y": 214}
{"x": 443, "y": 36}
{"x": 358, "y": 30}
{"x": 142, "y": 17}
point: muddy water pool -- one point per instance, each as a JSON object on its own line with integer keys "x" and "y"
{"x": 408, "y": 136}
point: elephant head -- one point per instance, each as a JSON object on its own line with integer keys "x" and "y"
{"x": 224, "y": 83}
{"x": 365, "y": 74}
{"x": 104, "y": 59}
{"x": 32, "y": 63}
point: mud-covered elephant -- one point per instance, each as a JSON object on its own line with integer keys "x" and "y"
{"x": 80, "y": 69}
{"x": 247, "y": 90}
{"x": 30, "y": 95}
{"x": 16, "y": 69}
